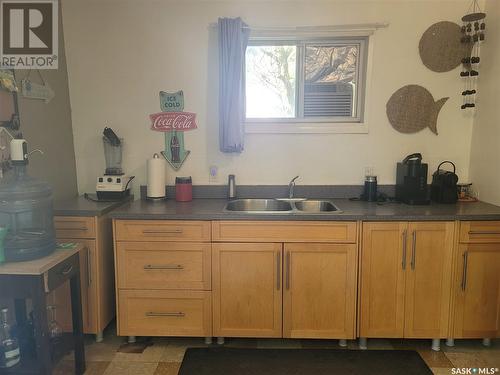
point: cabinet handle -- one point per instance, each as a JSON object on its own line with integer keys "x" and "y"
{"x": 149, "y": 267}
{"x": 89, "y": 268}
{"x": 403, "y": 262}
{"x": 472, "y": 232}
{"x": 288, "y": 270}
{"x": 413, "y": 249}
{"x": 67, "y": 270}
{"x": 174, "y": 314}
{"x": 162, "y": 231}
{"x": 278, "y": 270}
{"x": 80, "y": 229}
{"x": 464, "y": 271}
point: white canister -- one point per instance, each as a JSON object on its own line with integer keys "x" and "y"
{"x": 156, "y": 177}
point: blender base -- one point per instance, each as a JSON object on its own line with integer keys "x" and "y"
{"x": 112, "y": 195}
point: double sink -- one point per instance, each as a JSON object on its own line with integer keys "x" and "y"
{"x": 276, "y": 206}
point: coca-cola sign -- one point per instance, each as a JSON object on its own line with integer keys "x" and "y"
{"x": 173, "y": 121}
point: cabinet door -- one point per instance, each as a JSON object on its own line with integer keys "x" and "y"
{"x": 247, "y": 290}
{"x": 383, "y": 264}
{"x": 319, "y": 297}
{"x": 61, "y": 296}
{"x": 428, "y": 280}
{"x": 477, "y": 286}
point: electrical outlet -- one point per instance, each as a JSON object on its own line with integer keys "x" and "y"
{"x": 213, "y": 173}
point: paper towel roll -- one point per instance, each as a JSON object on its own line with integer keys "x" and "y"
{"x": 156, "y": 177}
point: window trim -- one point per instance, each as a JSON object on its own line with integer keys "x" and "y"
{"x": 346, "y": 125}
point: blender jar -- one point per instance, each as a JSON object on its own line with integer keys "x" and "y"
{"x": 113, "y": 156}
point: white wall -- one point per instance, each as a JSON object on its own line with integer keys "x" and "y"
{"x": 485, "y": 154}
{"x": 122, "y": 53}
{"x": 48, "y": 127}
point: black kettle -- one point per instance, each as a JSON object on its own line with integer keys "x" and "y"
{"x": 444, "y": 185}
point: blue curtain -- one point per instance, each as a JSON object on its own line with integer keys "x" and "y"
{"x": 233, "y": 40}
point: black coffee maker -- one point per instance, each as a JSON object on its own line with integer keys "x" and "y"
{"x": 411, "y": 181}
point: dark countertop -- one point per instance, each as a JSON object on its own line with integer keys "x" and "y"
{"x": 80, "y": 206}
{"x": 212, "y": 209}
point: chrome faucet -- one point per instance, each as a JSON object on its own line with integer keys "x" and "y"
{"x": 291, "y": 186}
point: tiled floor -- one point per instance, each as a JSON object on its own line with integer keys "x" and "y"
{"x": 165, "y": 355}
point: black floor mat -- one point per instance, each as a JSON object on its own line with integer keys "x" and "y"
{"x": 233, "y": 361}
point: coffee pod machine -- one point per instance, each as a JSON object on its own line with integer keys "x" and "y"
{"x": 411, "y": 181}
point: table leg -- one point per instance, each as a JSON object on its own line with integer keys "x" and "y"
{"x": 76, "y": 309}
{"x": 42, "y": 339}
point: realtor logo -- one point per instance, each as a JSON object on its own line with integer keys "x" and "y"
{"x": 29, "y": 34}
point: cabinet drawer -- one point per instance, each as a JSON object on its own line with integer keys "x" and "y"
{"x": 479, "y": 231}
{"x": 164, "y": 313}
{"x": 163, "y": 265}
{"x": 62, "y": 272}
{"x": 284, "y": 231}
{"x": 74, "y": 227}
{"x": 162, "y": 230}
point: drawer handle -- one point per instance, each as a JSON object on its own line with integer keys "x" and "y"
{"x": 464, "y": 270}
{"x": 80, "y": 229}
{"x": 403, "y": 261}
{"x": 287, "y": 279}
{"x": 174, "y": 314}
{"x": 278, "y": 270}
{"x": 413, "y": 250}
{"x": 67, "y": 270}
{"x": 162, "y": 231}
{"x": 89, "y": 268}
{"x": 149, "y": 267}
{"x": 472, "y": 232}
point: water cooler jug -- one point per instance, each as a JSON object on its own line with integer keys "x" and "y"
{"x": 25, "y": 210}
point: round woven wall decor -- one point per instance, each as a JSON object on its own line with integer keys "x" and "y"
{"x": 412, "y": 109}
{"x": 440, "y": 47}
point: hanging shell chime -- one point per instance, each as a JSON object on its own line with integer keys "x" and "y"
{"x": 473, "y": 32}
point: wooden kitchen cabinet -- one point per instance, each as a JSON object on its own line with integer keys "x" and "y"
{"x": 319, "y": 297}
{"x": 477, "y": 304}
{"x": 406, "y": 279}
{"x": 163, "y": 278}
{"x": 162, "y": 230}
{"x": 382, "y": 287}
{"x": 165, "y": 313}
{"x": 428, "y": 279}
{"x": 284, "y": 231}
{"x": 477, "y": 281}
{"x": 96, "y": 270}
{"x": 247, "y": 289}
{"x": 163, "y": 265}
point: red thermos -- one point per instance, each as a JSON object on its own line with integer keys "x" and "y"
{"x": 183, "y": 189}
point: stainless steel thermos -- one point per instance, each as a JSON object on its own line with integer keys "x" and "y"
{"x": 370, "y": 191}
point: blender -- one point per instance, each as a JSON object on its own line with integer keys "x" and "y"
{"x": 113, "y": 185}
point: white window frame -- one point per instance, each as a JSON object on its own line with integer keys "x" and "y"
{"x": 357, "y": 125}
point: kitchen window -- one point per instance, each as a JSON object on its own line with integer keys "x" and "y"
{"x": 305, "y": 85}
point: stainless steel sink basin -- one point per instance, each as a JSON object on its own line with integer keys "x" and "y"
{"x": 258, "y": 205}
{"x": 315, "y": 206}
{"x": 269, "y": 206}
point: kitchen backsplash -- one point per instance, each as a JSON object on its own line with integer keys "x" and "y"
{"x": 277, "y": 191}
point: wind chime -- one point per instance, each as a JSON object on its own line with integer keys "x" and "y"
{"x": 473, "y": 32}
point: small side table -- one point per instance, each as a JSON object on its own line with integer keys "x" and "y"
{"x": 33, "y": 280}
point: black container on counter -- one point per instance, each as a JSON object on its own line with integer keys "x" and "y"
{"x": 370, "y": 191}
